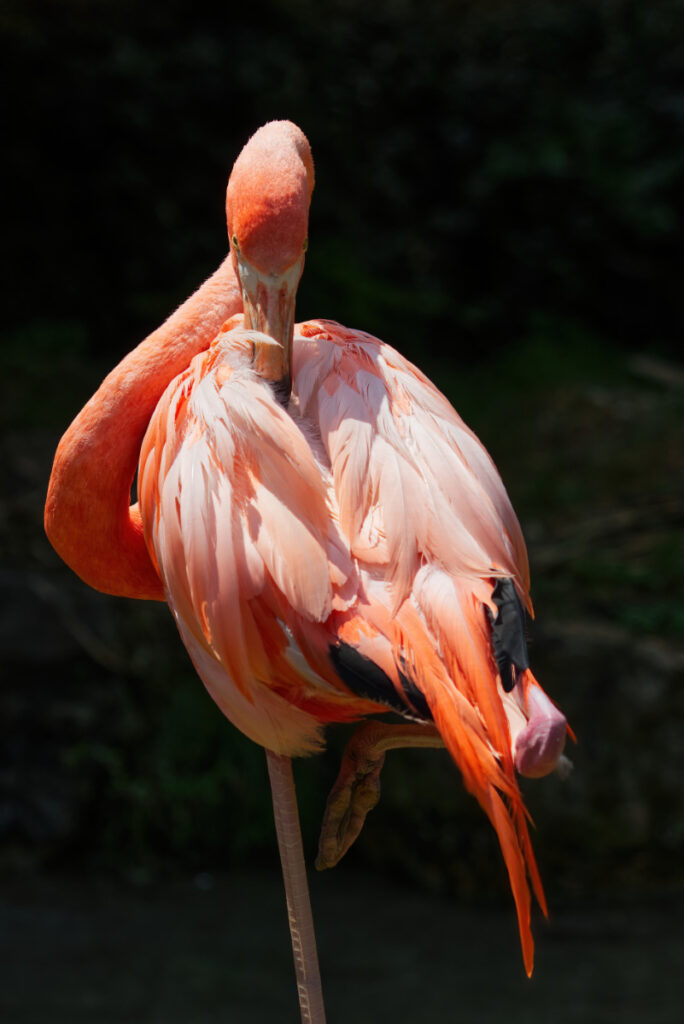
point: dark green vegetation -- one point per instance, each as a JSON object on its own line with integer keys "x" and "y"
{"x": 501, "y": 189}
{"x": 479, "y": 162}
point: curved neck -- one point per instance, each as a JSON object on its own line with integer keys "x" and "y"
{"x": 88, "y": 516}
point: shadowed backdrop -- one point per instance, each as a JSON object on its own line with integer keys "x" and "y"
{"x": 500, "y": 196}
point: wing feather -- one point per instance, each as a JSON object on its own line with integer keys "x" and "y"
{"x": 237, "y": 517}
{"x": 367, "y": 515}
{"x": 430, "y": 522}
{"x": 406, "y": 469}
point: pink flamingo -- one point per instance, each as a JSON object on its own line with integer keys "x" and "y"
{"x": 331, "y": 538}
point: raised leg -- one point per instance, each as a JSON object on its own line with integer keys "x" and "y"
{"x": 299, "y": 914}
{"x": 357, "y": 789}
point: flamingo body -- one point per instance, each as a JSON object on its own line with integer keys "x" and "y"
{"x": 340, "y": 557}
{"x": 332, "y": 539}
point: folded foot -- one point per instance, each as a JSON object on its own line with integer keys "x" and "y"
{"x": 357, "y": 789}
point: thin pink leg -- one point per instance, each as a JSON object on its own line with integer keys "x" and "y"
{"x": 296, "y": 889}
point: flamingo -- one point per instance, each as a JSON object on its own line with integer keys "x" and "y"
{"x": 330, "y": 537}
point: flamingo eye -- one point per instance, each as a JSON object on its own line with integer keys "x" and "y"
{"x": 305, "y": 245}
{"x": 234, "y": 242}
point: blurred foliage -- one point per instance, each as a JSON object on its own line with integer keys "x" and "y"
{"x": 500, "y": 193}
{"x": 478, "y": 162}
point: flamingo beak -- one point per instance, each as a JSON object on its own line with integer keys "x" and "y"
{"x": 538, "y": 731}
{"x": 269, "y": 307}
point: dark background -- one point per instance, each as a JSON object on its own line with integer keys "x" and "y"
{"x": 500, "y": 195}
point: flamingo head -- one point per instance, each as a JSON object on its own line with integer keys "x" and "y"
{"x": 267, "y": 209}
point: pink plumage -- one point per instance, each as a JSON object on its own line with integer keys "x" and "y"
{"x": 332, "y": 539}
{"x": 365, "y": 514}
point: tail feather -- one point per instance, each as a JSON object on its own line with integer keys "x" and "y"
{"x": 440, "y": 643}
{"x": 495, "y": 789}
{"x": 515, "y": 855}
{"x": 461, "y": 690}
{"x": 453, "y": 609}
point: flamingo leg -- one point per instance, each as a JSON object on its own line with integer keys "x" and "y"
{"x": 357, "y": 789}
{"x": 299, "y": 913}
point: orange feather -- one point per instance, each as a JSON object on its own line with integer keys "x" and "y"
{"x": 361, "y": 520}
